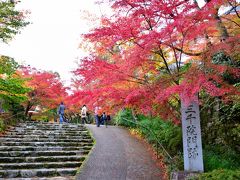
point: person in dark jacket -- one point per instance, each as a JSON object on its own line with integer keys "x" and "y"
{"x": 108, "y": 120}
{"x": 104, "y": 119}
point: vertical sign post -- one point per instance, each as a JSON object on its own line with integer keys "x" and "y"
{"x": 192, "y": 142}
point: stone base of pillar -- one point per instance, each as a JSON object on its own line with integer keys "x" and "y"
{"x": 183, "y": 175}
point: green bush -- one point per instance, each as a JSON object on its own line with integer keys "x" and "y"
{"x": 220, "y": 174}
{"x": 124, "y": 118}
{"x": 2, "y": 126}
{"x": 166, "y": 132}
{"x": 5, "y": 123}
{"x": 220, "y": 157}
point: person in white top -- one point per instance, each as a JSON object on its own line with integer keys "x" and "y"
{"x": 84, "y": 114}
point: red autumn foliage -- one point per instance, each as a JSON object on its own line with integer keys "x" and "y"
{"x": 141, "y": 55}
{"x": 47, "y": 88}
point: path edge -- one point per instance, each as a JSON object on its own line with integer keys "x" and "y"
{"x": 79, "y": 171}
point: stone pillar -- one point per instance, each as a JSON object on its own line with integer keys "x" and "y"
{"x": 192, "y": 142}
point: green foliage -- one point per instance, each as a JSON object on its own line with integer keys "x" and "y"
{"x": 221, "y": 127}
{"x": 166, "y": 132}
{"x": 11, "y": 21}
{"x": 221, "y": 58}
{"x": 2, "y": 125}
{"x": 8, "y": 121}
{"x": 220, "y": 157}
{"x": 11, "y": 85}
{"x": 11, "y": 90}
{"x": 120, "y": 117}
{"x": 220, "y": 174}
{"x": 185, "y": 67}
{"x": 8, "y": 65}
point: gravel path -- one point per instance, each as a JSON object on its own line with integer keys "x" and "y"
{"x": 118, "y": 156}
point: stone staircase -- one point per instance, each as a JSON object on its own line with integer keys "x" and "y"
{"x": 35, "y": 150}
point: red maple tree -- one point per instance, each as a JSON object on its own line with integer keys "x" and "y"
{"x": 148, "y": 53}
{"x": 47, "y": 88}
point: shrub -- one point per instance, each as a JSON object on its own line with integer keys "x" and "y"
{"x": 122, "y": 116}
{"x": 2, "y": 126}
{"x": 220, "y": 174}
{"x": 166, "y": 132}
{"x": 220, "y": 157}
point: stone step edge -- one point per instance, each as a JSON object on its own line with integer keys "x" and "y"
{"x": 38, "y": 172}
{"x": 44, "y": 147}
{"x": 38, "y": 165}
{"x": 45, "y": 143}
{"x": 36, "y": 153}
{"x": 43, "y": 139}
{"x": 45, "y": 178}
{"x": 77, "y": 158}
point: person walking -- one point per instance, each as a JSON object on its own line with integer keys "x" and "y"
{"x": 104, "y": 119}
{"x": 84, "y": 114}
{"x": 97, "y": 119}
{"x": 108, "y": 119}
{"x": 61, "y": 109}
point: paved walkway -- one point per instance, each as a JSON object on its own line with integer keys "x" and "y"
{"x": 118, "y": 156}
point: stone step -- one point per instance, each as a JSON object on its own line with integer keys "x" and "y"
{"x": 46, "y": 129}
{"x": 27, "y": 173}
{"x": 29, "y": 125}
{"x": 35, "y": 165}
{"x": 45, "y": 178}
{"x": 44, "y": 148}
{"x": 41, "y": 159}
{"x": 45, "y": 143}
{"x": 41, "y": 153}
{"x": 48, "y": 136}
{"x": 34, "y": 150}
{"x": 3, "y": 139}
{"x": 45, "y": 133}
{"x": 69, "y": 125}
{"x": 50, "y": 125}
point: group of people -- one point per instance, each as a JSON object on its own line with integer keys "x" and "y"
{"x": 100, "y": 118}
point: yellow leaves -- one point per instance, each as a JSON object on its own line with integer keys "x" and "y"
{"x": 124, "y": 85}
{"x": 232, "y": 22}
{"x": 159, "y": 61}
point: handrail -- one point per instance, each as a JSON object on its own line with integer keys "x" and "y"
{"x": 154, "y": 135}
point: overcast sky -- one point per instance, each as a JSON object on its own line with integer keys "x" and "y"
{"x": 51, "y": 41}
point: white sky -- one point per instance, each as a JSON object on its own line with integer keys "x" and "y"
{"x": 51, "y": 41}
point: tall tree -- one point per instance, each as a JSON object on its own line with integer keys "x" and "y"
{"x": 150, "y": 52}
{"x": 12, "y": 90}
{"x": 11, "y": 20}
